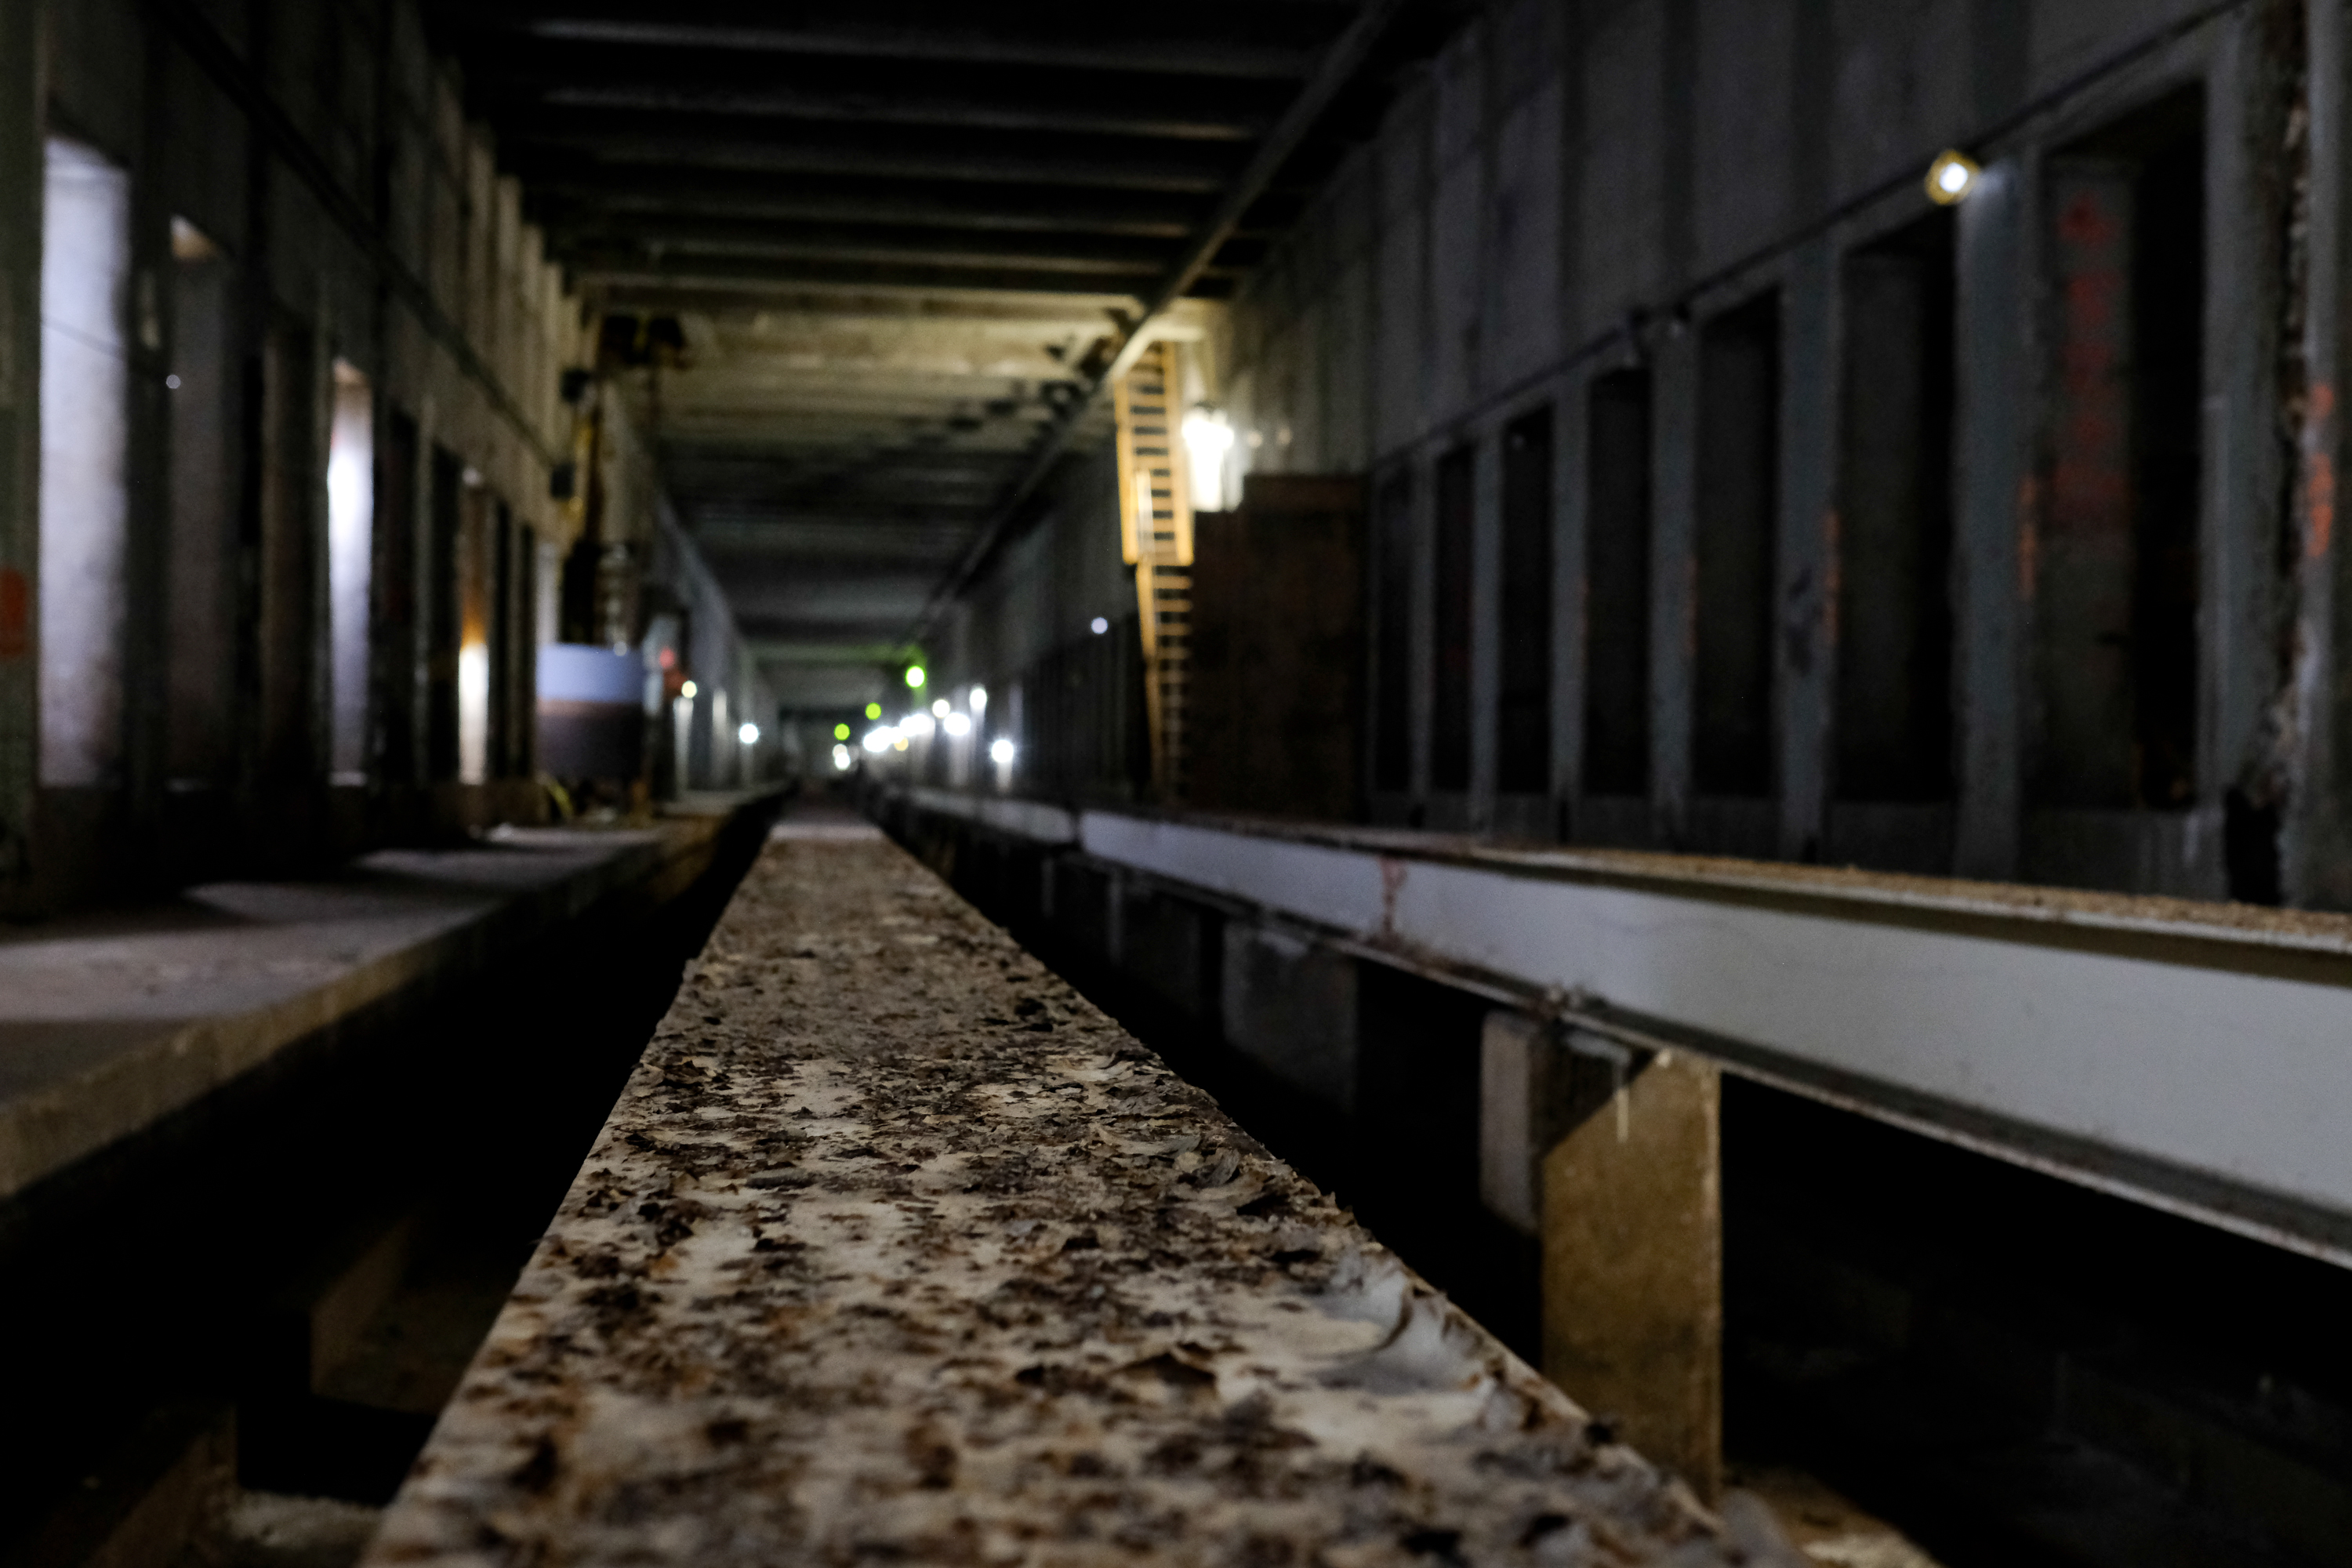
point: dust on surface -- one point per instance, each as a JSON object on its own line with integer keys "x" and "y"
{"x": 895, "y": 1248}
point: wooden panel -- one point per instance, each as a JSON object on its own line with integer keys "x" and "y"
{"x": 1277, "y": 649}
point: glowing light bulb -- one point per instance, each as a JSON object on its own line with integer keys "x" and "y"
{"x": 1100, "y": 625}
{"x": 914, "y": 677}
{"x": 841, "y": 759}
{"x": 940, "y": 709}
{"x": 874, "y": 709}
{"x": 1951, "y": 176}
{"x": 688, "y": 691}
{"x": 749, "y": 734}
{"x": 957, "y": 724}
{"x": 1000, "y": 752}
{"x": 841, "y": 732}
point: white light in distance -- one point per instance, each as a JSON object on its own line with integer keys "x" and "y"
{"x": 915, "y": 724}
{"x": 979, "y": 700}
{"x": 957, "y": 724}
{"x": 1208, "y": 436}
{"x": 940, "y": 709}
{"x": 749, "y": 734}
{"x": 1101, "y": 625}
{"x": 1000, "y": 752}
{"x": 880, "y": 739}
{"x": 841, "y": 759}
{"x": 688, "y": 691}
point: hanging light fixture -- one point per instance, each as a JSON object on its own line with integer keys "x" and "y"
{"x": 1952, "y": 176}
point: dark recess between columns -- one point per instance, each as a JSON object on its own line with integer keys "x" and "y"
{"x": 1392, "y": 618}
{"x": 1617, "y": 586}
{"x": 1450, "y": 718}
{"x": 2116, "y": 571}
{"x": 1739, "y": 480}
{"x": 1523, "y": 757}
{"x": 1894, "y": 722}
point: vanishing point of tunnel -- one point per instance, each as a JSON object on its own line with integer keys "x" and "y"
{"x": 1303, "y": 783}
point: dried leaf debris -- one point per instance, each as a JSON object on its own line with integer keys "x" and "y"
{"x": 896, "y": 1249}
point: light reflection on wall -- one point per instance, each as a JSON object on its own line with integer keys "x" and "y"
{"x": 351, "y": 538}
{"x": 85, "y": 435}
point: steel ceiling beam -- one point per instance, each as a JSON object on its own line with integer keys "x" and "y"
{"x": 749, "y": 280}
{"x": 576, "y": 199}
{"x": 723, "y": 234}
{"x": 737, "y": 85}
{"x": 967, "y": 46}
{"x": 626, "y": 239}
{"x": 692, "y": 143}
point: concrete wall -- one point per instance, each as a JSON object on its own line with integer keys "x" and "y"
{"x": 1568, "y": 190}
{"x": 1068, "y": 696}
{"x": 324, "y": 155}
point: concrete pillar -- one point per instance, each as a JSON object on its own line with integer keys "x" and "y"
{"x": 1992, "y": 504}
{"x": 2243, "y": 457}
{"x": 21, "y": 94}
{"x": 1674, "y": 521}
{"x": 147, "y": 653}
{"x": 1611, "y": 1158}
{"x": 2314, "y": 868}
{"x": 1173, "y": 947}
{"x": 1805, "y": 572}
{"x": 1288, "y": 1003}
{"x": 1486, "y": 623}
{"x": 1633, "y": 1267}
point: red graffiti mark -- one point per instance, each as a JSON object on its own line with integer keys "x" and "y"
{"x": 2319, "y": 502}
{"x": 2085, "y": 221}
{"x": 16, "y": 614}
{"x": 2029, "y": 538}
{"x": 1391, "y": 884}
{"x": 2091, "y": 299}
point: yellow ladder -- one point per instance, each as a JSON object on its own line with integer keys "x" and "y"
{"x": 1156, "y": 538}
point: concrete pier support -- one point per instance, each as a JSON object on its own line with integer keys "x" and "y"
{"x": 1613, "y": 1159}
{"x": 1633, "y": 1266}
{"x": 21, "y": 93}
{"x": 1290, "y": 1006}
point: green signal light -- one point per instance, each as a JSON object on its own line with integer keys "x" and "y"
{"x": 874, "y": 709}
{"x": 841, "y": 732}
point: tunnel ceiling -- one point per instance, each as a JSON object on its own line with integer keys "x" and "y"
{"x": 897, "y": 239}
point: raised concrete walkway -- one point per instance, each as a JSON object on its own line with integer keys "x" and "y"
{"x": 895, "y": 1248}
{"x": 111, "y": 1023}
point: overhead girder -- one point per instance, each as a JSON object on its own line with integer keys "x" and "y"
{"x": 834, "y": 539}
{"x": 722, "y": 81}
{"x": 903, "y": 239}
{"x": 697, "y": 140}
{"x": 590, "y": 241}
{"x": 568, "y": 198}
{"x": 751, "y": 279}
{"x": 1229, "y": 39}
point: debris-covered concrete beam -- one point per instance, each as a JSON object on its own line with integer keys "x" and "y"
{"x": 895, "y": 1246}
